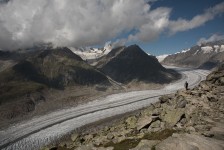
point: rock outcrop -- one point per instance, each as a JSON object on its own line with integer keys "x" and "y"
{"x": 189, "y": 142}
{"x": 189, "y": 119}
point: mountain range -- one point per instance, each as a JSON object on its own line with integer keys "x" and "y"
{"x": 207, "y": 55}
{"x": 43, "y": 79}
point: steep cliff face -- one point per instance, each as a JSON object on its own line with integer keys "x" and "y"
{"x": 206, "y": 56}
{"x": 125, "y": 64}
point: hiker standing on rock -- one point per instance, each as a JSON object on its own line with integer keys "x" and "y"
{"x": 186, "y": 85}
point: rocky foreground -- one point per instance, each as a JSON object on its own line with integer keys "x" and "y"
{"x": 186, "y": 120}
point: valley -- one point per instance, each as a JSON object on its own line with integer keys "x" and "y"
{"x": 42, "y": 130}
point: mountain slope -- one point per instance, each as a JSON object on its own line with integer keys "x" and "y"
{"x": 206, "y": 56}
{"x": 54, "y": 68}
{"x": 126, "y": 64}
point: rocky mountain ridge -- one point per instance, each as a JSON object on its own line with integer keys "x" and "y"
{"x": 127, "y": 64}
{"x": 189, "y": 119}
{"x": 206, "y": 56}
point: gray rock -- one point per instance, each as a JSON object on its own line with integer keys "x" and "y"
{"x": 110, "y": 136}
{"x": 155, "y": 129}
{"x": 208, "y": 134}
{"x": 190, "y": 129}
{"x": 173, "y": 116}
{"x": 164, "y": 99}
{"x": 91, "y": 147}
{"x": 146, "y": 145}
{"x": 221, "y": 81}
{"x": 131, "y": 122}
{"x": 88, "y": 137}
{"x": 119, "y": 139}
{"x": 100, "y": 140}
{"x": 156, "y": 112}
{"x": 74, "y": 136}
{"x": 155, "y": 124}
{"x": 190, "y": 142}
{"x": 205, "y": 85}
{"x": 182, "y": 104}
{"x": 212, "y": 98}
{"x": 143, "y": 122}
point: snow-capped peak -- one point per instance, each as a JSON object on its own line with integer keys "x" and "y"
{"x": 207, "y": 49}
{"x": 183, "y": 51}
{"x": 161, "y": 57}
{"x": 88, "y": 53}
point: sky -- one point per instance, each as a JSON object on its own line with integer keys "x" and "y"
{"x": 157, "y": 26}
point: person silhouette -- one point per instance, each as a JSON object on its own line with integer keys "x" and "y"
{"x": 186, "y": 85}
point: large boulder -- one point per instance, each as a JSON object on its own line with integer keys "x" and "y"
{"x": 143, "y": 122}
{"x": 131, "y": 122}
{"x": 173, "y": 116}
{"x": 146, "y": 145}
{"x": 190, "y": 142}
{"x": 74, "y": 136}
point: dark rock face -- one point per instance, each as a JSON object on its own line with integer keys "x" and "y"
{"x": 54, "y": 68}
{"x": 132, "y": 63}
{"x": 205, "y": 56}
{"x": 58, "y": 68}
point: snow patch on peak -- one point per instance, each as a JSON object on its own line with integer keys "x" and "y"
{"x": 207, "y": 49}
{"x": 107, "y": 48}
{"x": 196, "y": 52}
{"x": 216, "y": 48}
{"x": 221, "y": 48}
{"x": 185, "y": 50}
{"x": 88, "y": 53}
{"x": 161, "y": 57}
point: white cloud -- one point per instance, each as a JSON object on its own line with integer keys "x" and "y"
{"x": 214, "y": 37}
{"x": 157, "y": 21}
{"x": 81, "y": 23}
{"x": 68, "y": 23}
{"x": 198, "y": 20}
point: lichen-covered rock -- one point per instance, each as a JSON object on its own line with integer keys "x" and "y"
{"x": 155, "y": 124}
{"x": 119, "y": 139}
{"x": 100, "y": 140}
{"x": 173, "y": 116}
{"x": 74, "y": 136}
{"x": 131, "y": 122}
{"x": 182, "y": 104}
{"x": 164, "y": 99}
{"x": 190, "y": 142}
{"x": 146, "y": 145}
{"x": 143, "y": 122}
{"x": 190, "y": 129}
{"x": 221, "y": 81}
{"x": 91, "y": 147}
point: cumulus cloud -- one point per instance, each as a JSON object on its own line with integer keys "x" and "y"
{"x": 198, "y": 20}
{"x": 157, "y": 21}
{"x": 82, "y": 23}
{"x": 214, "y": 37}
{"x": 68, "y": 23}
